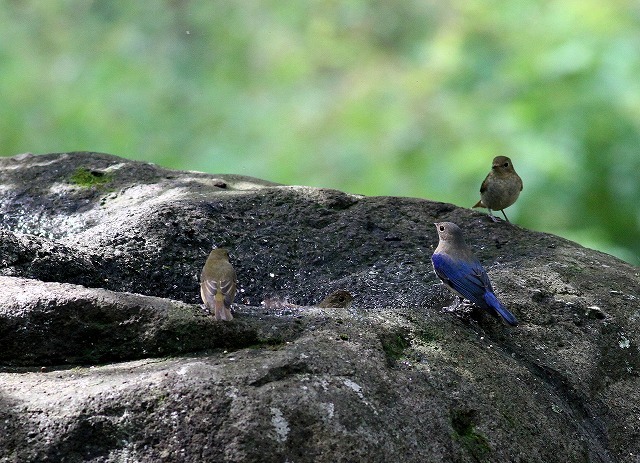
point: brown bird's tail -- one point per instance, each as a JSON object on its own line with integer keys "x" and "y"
{"x": 220, "y": 310}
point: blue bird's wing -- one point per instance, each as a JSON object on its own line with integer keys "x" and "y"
{"x": 466, "y": 278}
{"x": 470, "y": 280}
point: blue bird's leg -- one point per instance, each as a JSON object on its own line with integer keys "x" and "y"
{"x": 465, "y": 303}
{"x": 457, "y": 300}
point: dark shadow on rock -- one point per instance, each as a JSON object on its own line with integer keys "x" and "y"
{"x": 47, "y": 324}
{"x": 39, "y": 258}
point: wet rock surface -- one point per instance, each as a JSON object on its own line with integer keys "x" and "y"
{"x": 106, "y": 354}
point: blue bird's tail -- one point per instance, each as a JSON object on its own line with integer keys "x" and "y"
{"x": 495, "y": 304}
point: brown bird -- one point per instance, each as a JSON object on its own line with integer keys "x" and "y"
{"x": 337, "y": 299}
{"x": 501, "y": 188}
{"x": 218, "y": 284}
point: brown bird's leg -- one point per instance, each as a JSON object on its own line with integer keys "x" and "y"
{"x": 493, "y": 217}
{"x": 505, "y": 215}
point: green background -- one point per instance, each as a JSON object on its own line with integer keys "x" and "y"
{"x": 401, "y": 97}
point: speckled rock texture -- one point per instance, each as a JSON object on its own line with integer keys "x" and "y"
{"x": 106, "y": 354}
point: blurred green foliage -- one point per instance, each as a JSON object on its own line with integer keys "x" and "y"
{"x": 403, "y": 97}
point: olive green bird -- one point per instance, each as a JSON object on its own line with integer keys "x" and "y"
{"x": 218, "y": 284}
{"x": 337, "y": 300}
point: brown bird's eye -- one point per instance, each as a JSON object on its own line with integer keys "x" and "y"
{"x": 441, "y": 227}
{"x": 506, "y": 164}
{"x": 341, "y": 299}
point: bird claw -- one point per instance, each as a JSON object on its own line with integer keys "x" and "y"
{"x": 459, "y": 305}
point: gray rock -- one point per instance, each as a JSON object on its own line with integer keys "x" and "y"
{"x": 107, "y": 355}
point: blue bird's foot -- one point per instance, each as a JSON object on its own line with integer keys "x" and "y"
{"x": 461, "y": 307}
{"x": 456, "y": 304}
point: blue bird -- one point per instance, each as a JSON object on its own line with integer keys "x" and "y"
{"x": 457, "y": 267}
